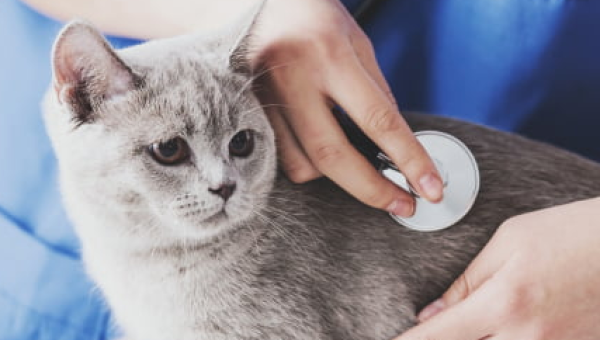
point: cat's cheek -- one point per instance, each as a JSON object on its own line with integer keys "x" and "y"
{"x": 260, "y": 173}
{"x": 239, "y": 209}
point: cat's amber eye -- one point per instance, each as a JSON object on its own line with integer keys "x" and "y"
{"x": 242, "y": 144}
{"x": 171, "y": 152}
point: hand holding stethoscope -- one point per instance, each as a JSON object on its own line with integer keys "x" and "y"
{"x": 334, "y": 64}
{"x": 454, "y": 161}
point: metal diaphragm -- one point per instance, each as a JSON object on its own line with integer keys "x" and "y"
{"x": 460, "y": 174}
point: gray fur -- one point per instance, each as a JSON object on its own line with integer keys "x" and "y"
{"x": 288, "y": 261}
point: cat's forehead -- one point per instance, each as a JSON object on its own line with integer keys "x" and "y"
{"x": 185, "y": 96}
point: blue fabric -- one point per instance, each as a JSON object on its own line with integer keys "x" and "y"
{"x": 527, "y": 66}
{"x": 44, "y": 292}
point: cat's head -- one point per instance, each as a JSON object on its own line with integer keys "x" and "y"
{"x": 168, "y": 132}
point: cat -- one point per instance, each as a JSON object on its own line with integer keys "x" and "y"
{"x": 168, "y": 171}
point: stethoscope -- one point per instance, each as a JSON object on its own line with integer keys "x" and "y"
{"x": 364, "y": 10}
{"x": 453, "y": 159}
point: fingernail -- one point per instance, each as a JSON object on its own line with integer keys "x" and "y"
{"x": 401, "y": 207}
{"x": 430, "y": 311}
{"x": 432, "y": 187}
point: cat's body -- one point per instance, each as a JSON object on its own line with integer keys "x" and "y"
{"x": 274, "y": 260}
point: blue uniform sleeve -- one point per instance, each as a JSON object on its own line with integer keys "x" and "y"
{"x": 44, "y": 294}
{"x": 44, "y": 291}
{"x": 525, "y": 66}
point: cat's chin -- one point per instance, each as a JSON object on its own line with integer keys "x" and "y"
{"x": 209, "y": 227}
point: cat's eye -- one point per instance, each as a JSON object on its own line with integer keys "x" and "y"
{"x": 171, "y": 152}
{"x": 242, "y": 144}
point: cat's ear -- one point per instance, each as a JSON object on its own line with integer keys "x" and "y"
{"x": 239, "y": 38}
{"x": 87, "y": 71}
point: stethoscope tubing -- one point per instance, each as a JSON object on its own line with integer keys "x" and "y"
{"x": 365, "y": 9}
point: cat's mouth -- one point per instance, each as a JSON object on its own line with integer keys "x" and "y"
{"x": 217, "y": 218}
{"x": 196, "y": 226}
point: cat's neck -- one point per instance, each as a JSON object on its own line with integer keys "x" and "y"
{"x": 224, "y": 247}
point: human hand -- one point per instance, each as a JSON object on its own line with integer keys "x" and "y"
{"x": 538, "y": 278}
{"x": 317, "y": 55}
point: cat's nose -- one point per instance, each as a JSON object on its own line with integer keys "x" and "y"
{"x": 225, "y": 190}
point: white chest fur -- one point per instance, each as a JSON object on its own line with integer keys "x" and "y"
{"x": 165, "y": 297}
{"x": 193, "y": 295}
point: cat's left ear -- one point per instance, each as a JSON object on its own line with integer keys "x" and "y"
{"x": 87, "y": 71}
{"x": 239, "y": 38}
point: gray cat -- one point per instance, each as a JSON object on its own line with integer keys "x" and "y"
{"x": 168, "y": 171}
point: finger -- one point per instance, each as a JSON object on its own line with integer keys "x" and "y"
{"x": 369, "y": 106}
{"x": 467, "y": 320}
{"x": 485, "y": 265}
{"x": 292, "y": 158}
{"x": 334, "y": 156}
{"x": 366, "y": 55}
{"x": 331, "y": 153}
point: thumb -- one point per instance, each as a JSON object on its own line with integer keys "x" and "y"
{"x": 481, "y": 269}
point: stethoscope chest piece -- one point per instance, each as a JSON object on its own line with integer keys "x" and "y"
{"x": 460, "y": 174}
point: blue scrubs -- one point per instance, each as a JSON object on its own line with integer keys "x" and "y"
{"x": 526, "y": 66}
{"x": 44, "y": 291}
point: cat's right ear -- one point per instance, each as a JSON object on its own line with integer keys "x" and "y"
{"x": 87, "y": 71}
{"x": 238, "y": 39}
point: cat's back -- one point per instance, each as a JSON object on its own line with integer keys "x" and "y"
{"x": 517, "y": 176}
{"x": 521, "y": 173}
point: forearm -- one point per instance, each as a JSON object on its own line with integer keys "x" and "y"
{"x": 146, "y": 18}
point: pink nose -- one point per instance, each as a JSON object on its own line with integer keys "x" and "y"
{"x": 224, "y": 190}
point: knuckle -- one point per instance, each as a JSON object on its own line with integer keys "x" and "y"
{"x": 336, "y": 51}
{"x": 461, "y": 288}
{"x": 537, "y": 332}
{"x": 326, "y": 155}
{"x": 330, "y": 44}
{"x": 381, "y": 118}
{"x": 512, "y": 228}
{"x": 363, "y": 42}
{"x": 375, "y": 198}
{"x": 510, "y": 223}
{"x": 299, "y": 172}
{"x": 517, "y": 299}
{"x": 541, "y": 329}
